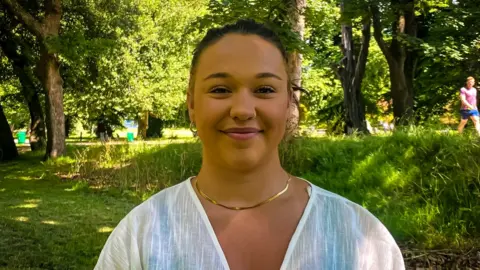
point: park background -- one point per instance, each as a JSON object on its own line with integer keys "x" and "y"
{"x": 378, "y": 122}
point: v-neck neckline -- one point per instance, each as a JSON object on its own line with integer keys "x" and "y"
{"x": 216, "y": 243}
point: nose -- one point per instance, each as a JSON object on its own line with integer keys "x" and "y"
{"x": 243, "y": 105}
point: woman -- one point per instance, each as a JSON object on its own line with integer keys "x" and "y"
{"x": 468, "y": 96}
{"x": 243, "y": 210}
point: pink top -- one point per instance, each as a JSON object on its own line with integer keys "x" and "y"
{"x": 471, "y": 97}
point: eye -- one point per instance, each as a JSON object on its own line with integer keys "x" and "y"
{"x": 265, "y": 90}
{"x": 219, "y": 90}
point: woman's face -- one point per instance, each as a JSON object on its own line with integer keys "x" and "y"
{"x": 240, "y": 101}
{"x": 470, "y": 83}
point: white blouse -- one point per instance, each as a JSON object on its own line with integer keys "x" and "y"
{"x": 171, "y": 230}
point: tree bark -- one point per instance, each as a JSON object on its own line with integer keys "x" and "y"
{"x": 296, "y": 14}
{"x": 396, "y": 54}
{"x": 52, "y": 81}
{"x": 143, "y": 125}
{"x": 47, "y": 69}
{"x": 351, "y": 75}
{"x": 20, "y": 64}
{"x": 296, "y": 9}
{"x": 37, "y": 136}
{"x": 8, "y": 149}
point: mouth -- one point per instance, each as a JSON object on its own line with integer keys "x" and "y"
{"x": 242, "y": 134}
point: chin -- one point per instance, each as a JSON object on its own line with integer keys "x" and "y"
{"x": 242, "y": 159}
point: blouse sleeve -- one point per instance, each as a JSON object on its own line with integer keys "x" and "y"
{"x": 123, "y": 249}
{"x": 379, "y": 249}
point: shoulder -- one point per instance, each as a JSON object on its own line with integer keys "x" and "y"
{"x": 463, "y": 90}
{"x": 357, "y": 222}
{"x": 158, "y": 205}
{"x": 357, "y": 215}
{"x": 128, "y": 244}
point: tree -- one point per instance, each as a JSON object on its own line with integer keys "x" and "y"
{"x": 400, "y": 60}
{"x": 451, "y": 46}
{"x": 296, "y": 14}
{"x": 8, "y": 150}
{"x": 295, "y": 11}
{"x": 352, "y": 71}
{"x": 21, "y": 64}
{"x": 48, "y": 68}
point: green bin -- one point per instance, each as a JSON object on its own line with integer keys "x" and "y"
{"x": 130, "y": 136}
{"x": 21, "y": 136}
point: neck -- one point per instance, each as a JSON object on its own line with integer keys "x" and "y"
{"x": 242, "y": 188}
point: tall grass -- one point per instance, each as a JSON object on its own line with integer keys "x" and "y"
{"x": 423, "y": 185}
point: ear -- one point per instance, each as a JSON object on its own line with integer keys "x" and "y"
{"x": 191, "y": 111}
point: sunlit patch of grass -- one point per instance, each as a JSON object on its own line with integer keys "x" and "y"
{"x": 26, "y": 178}
{"x": 105, "y": 229}
{"x": 26, "y": 205}
{"x": 22, "y": 219}
{"x": 50, "y": 222}
{"x": 36, "y": 201}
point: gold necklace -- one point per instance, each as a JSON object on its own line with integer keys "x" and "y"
{"x": 242, "y": 208}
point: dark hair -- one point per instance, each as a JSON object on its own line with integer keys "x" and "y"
{"x": 245, "y": 27}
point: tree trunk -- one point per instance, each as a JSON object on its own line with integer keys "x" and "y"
{"x": 47, "y": 68}
{"x": 68, "y": 126}
{"x": 8, "y": 149}
{"x": 402, "y": 110}
{"x": 295, "y": 13}
{"x": 49, "y": 71}
{"x": 143, "y": 125}
{"x": 21, "y": 64}
{"x": 351, "y": 75}
{"x": 296, "y": 9}
{"x": 409, "y": 70}
{"x": 397, "y": 55}
{"x": 37, "y": 137}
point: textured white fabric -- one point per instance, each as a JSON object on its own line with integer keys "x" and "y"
{"x": 171, "y": 231}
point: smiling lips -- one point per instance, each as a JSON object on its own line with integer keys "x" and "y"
{"x": 242, "y": 134}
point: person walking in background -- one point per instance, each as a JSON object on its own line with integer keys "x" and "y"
{"x": 469, "y": 109}
{"x": 102, "y": 131}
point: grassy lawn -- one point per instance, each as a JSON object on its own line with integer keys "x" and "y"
{"x": 423, "y": 185}
{"x": 46, "y": 223}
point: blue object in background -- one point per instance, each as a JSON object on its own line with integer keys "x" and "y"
{"x": 130, "y": 124}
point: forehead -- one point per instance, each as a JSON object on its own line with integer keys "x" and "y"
{"x": 241, "y": 55}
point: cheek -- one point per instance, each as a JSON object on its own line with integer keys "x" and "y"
{"x": 275, "y": 117}
{"x": 208, "y": 112}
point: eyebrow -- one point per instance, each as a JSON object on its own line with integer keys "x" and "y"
{"x": 262, "y": 75}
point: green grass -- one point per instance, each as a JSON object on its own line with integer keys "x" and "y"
{"x": 424, "y": 185}
{"x": 46, "y": 223}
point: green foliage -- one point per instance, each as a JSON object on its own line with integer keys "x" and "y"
{"x": 422, "y": 184}
{"x": 417, "y": 183}
{"x": 128, "y": 59}
{"x": 376, "y": 83}
{"x": 273, "y": 13}
{"x": 12, "y": 101}
{"x": 451, "y": 53}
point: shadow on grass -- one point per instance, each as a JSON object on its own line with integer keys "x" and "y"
{"x": 49, "y": 224}
{"x": 423, "y": 186}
